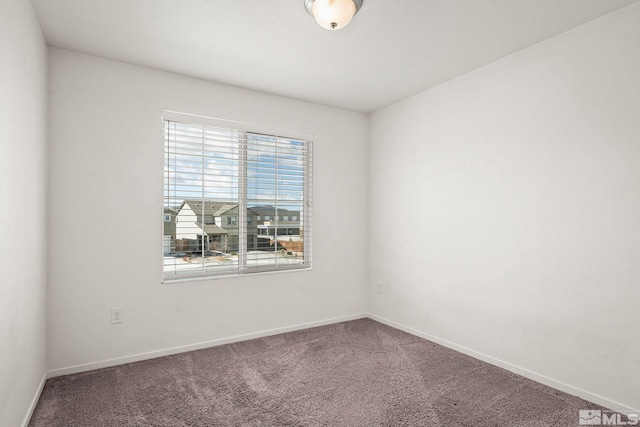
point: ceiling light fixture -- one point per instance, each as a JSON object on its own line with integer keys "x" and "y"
{"x": 333, "y": 14}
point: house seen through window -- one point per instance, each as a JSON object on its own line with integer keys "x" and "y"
{"x": 218, "y": 178}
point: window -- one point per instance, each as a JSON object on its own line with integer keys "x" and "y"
{"x": 285, "y": 218}
{"x": 214, "y": 169}
{"x": 167, "y": 218}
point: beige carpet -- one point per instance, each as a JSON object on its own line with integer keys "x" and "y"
{"x": 358, "y": 373}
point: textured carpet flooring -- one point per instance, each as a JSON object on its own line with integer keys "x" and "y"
{"x": 358, "y": 373}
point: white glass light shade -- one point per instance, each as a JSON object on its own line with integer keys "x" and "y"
{"x": 333, "y": 14}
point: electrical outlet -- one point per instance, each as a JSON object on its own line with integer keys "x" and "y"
{"x": 116, "y": 315}
{"x": 380, "y": 287}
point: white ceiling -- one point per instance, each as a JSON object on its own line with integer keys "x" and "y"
{"x": 391, "y": 50}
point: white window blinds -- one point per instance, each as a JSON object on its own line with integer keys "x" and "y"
{"x": 239, "y": 199}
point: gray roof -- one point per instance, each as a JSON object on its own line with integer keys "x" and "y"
{"x": 217, "y": 208}
{"x": 211, "y": 207}
{"x": 224, "y": 208}
{"x": 212, "y": 229}
{"x": 271, "y": 210}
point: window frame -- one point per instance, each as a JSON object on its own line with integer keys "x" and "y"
{"x": 243, "y": 269}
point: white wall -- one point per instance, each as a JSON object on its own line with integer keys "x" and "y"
{"x": 505, "y": 210}
{"x": 23, "y": 241}
{"x": 105, "y": 232}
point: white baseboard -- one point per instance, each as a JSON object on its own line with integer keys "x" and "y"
{"x": 543, "y": 379}
{"x": 198, "y": 346}
{"x": 34, "y": 401}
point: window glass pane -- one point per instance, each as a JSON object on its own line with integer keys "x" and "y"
{"x": 275, "y": 189}
{"x": 201, "y": 184}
